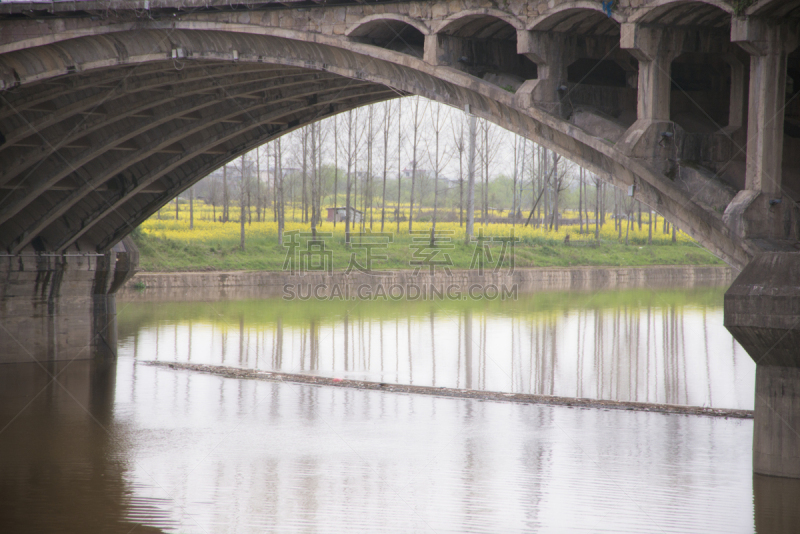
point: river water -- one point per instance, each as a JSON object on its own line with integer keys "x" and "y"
{"x": 120, "y": 446}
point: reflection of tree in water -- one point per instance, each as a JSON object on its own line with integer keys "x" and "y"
{"x": 629, "y": 351}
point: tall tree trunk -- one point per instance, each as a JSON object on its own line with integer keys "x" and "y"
{"x": 191, "y": 208}
{"x": 556, "y": 191}
{"x": 602, "y": 190}
{"x": 628, "y": 216}
{"x": 399, "y": 168}
{"x": 546, "y": 184}
{"x": 650, "y": 227}
{"x": 461, "y": 175}
{"x": 177, "y": 207}
{"x": 280, "y": 199}
{"x": 304, "y": 199}
{"x": 437, "y": 128}
{"x": 258, "y": 184}
{"x": 368, "y": 185}
{"x": 586, "y": 201}
{"x": 347, "y": 186}
{"x": 335, "y": 168}
{"x": 514, "y": 182}
{"x": 580, "y": 201}
{"x": 225, "y": 199}
{"x": 313, "y": 180}
{"x": 241, "y": 208}
{"x": 639, "y": 206}
{"x": 486, "y": 172}
{"x": 471, "y": 177}
{"x": 597, "y": 209}
{"x": 416, "y": 126}
{"x": 386, "y": 124}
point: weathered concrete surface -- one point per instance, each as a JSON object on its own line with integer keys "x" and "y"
{"x": 62, "y": 307}
{"x": 762, "y": 311}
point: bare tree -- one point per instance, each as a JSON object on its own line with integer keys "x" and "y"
{"x": 458, "y": 141}
{"x": 399, "y": 167}
{"x": 416, "y": 123}
{"x": 191, "y": 208}
{"x": 490, "y": 146}
{"x": 438, "y": 160}
{"x": 350, "y": 158}
{"x": 368, "y": 196}
{"x": 519, "y": 151}
{"x": 473, "y": 133}
{"x": 243, "y": 193}
{"x": 225, "y": 198}
{"x": 580, "y": 201}
{"x": 561, "y": 176}
{"x": 278, "y": 178}
{"x": 304, "y": 199}
{"x": 314, "y": 133}
{"x": 335, "y": 166}
{"x": 213, "y": 196}
{"x": 387, "y": 125}
{"x": 258, "y": 184}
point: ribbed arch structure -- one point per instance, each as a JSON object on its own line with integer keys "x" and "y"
{"x": 775, "y": 8}
{"x": 706, "y": 14}
{"x": 480, "y": 23}
{"x": 582, "y": 19}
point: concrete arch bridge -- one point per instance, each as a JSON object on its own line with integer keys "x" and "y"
{"x": 108, "y": 110}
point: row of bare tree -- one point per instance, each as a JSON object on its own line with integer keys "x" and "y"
{"x": 374, "y": 186}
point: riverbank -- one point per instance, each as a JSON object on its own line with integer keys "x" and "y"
{"x": 171, "y": 246}
{"x": 520, "y": 398}
{"x": 266, "y": 284}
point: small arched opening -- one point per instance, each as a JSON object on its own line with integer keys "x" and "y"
{"x": 598, "y": 80}
{"x": 486, "y": 47}
{"x": 391, "y": 34}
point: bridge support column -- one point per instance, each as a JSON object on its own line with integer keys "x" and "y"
{"x": 61, "y": 307}
{"x": 552, "y": 53}
{"x": 736, "y": 106}
{"x": 762, "y": 211}
{"x": 769, "y": 46}
{"x": 652, "y": 136}
{"x": 762, "y": 311}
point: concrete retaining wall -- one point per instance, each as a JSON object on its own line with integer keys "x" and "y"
{"x": 259, "y": 284}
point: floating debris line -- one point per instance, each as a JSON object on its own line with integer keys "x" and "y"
{"x": 520, "y": 398}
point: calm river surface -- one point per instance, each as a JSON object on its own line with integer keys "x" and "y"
{"x": 126, "y": 447}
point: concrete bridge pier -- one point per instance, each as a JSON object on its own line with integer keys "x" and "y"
{"x": 762, "y": 311}
{"x": 62, "y": 307}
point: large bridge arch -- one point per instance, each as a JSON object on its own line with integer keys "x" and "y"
{"x": 59, "y": 218}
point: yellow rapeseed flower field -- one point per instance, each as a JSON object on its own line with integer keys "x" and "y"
{"x": 207, "y": 231}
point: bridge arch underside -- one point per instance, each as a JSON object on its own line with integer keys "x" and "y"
{"x": 99, "y": 132}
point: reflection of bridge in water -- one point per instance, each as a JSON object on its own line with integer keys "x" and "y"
{"x": 110, "y": 110}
